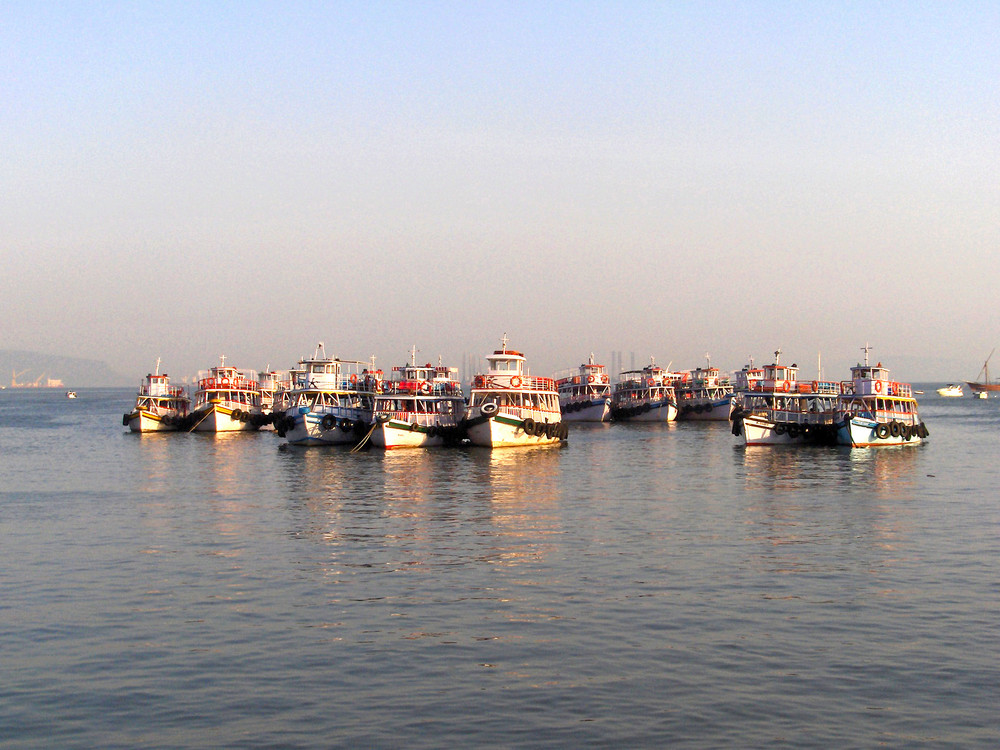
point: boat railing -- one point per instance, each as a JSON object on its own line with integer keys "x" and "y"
{"x": 228, "y": 384}
{"x": 884, "y": 388}
{"x": 514, "y": 382}
{"x": 168, "y": 391}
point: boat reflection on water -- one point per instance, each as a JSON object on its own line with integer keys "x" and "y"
{"x": 888, "y": 471}
{"x": 416, "y": 511}
{"x": 801, "y": 522}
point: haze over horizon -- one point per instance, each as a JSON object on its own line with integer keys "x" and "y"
{"x": 664, "y": 179}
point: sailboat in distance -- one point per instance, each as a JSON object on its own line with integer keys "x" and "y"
{"x": 984, "y": 384}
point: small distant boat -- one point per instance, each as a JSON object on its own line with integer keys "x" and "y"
{"x": 984, "y": 384}
{"x": 159, "y": 406}
{"x": 645, "y": 395}
{"x": 508, "y": 407}
{"x": 952, "y": 390}
{"x": 585, "y": 394}
{"x": 875, "y": 411}
{"x": 70, "y": 394}
{"x": 982, "y": 394}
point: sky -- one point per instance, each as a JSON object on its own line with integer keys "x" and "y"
{"x": 656, "y": 179}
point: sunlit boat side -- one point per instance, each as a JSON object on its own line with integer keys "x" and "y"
{"x": 420, "y": 407}
{"x": 508, "y": 407}
{"x": 875, "y": 411}
{"x": 330, "y": 402}
{"x": 704, "y": 394}
{"x": 777, "y": 409}
{"x": 159, "y": 406}
{"x": 645, "y": 395}
{"x": 227, "y": 400}
{"x": 585, "y": 393}
{"x": 273, "y": 383}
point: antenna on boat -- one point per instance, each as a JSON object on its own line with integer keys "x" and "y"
{"x": 503, "y": 342}
{"x": 866, "y": 348}
{"x": 777, "y": 355}
{"x": 157, "y": 371}
{"x": 708, "y": 359}
{"x": 413, "y": 356}
{"x": 222, "y": 360}
{"x": 819, "y": 365}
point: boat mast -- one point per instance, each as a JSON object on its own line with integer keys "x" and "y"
{"x": 986, "y": 368}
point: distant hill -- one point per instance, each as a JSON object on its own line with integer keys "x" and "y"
{"x": 73, "y": 372}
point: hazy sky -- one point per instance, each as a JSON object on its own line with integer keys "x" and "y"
{"x": 181, "y": 180}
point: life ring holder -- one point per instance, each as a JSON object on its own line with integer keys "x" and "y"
{"x": 878, "y": 386}
{"x": 515, "y": 381}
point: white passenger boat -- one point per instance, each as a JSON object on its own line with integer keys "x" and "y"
{"x": 273, "y": 385}
{"x": 874, "y": 410}
{"x": 509, "y": 407}
{"x": 159, "y": 406}
{"x": 330, "y": 402}
{"x": 778, "y": 409}
{"x": 645, "y": 395}
{"x": 747, "y": 379}
{"x": 227, "y": 400}
{"x": 585, "y": 393}
{"x": 420, "y": 407}
{"x": 952, "y": 390}
{"x": 704, "y": 394}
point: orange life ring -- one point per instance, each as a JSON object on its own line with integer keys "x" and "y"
{"x": 786, "y": 387}
{"x": 515, "y": 382}
{"x": 354, "y": 379}
{"x": 604, "y": 378}
{"x": 225, "y": 382}
{"x": 878, "y": 386}
{"x": 590, "y": 378}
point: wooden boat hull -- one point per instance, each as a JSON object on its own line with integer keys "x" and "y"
{"x": 222, "y": 418}
{"x": 595, "y": 410}
{"x": 984, "y": 387}
{"x": 759, "y": 430}
{"x": 141, "y": 420}
{"x": 706, "y": 410}
{"x": 863, "y": 432}
{"x": 505, "y": 430}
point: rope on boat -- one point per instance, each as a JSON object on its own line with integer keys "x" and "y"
{"x": 192, "y": 428}
{"x": 361, "y": 443}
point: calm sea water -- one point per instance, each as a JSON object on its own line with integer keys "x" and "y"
{"x": 644, "y": 586}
